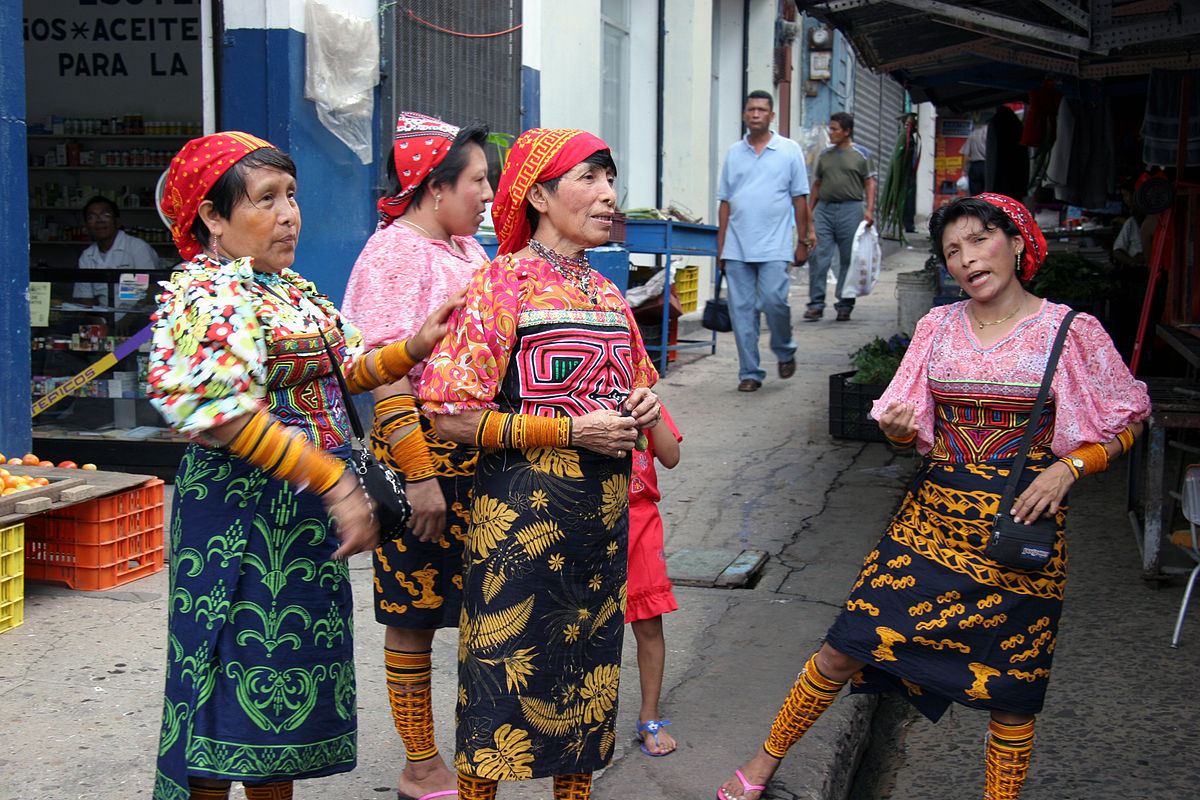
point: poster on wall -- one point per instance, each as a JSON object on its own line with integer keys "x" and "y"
{"x": 948, "y": 165}
{"x": 99, "y": 58}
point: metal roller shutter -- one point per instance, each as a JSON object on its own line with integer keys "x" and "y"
{"x": 878, "y": 104}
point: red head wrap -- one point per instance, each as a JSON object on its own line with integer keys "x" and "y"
{"x": 420, "y": 145}
{"x": 193, "y": 172}
{"x": 538, "y": 155}
{"x": 1035, "y": 242}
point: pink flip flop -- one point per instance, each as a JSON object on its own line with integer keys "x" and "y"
{"x": 447, "y": 793}
{"x": 747, "y": 786}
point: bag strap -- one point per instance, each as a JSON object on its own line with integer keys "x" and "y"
{"x": 1018, "y": 466}
{"x": 720, "y": 280}
{"x": 347, "y": 399}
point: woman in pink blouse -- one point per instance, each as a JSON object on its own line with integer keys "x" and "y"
{"x": 421, "y": 254}
{"x": 931, "y": 616}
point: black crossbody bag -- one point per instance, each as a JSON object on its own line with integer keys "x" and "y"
{"x": 383, "y": 484}
{"x": 1016, "y": 544}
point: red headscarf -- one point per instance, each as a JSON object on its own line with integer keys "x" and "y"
{"x": 538, "y": 155}
{"x": 420, "y": 145}
{"x": 193, "y": 172}
{"x": 1035, "y": 242}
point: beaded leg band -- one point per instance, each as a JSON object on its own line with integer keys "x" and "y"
{"x": 576, "y": 786}
{"x": 1008, "y": 751}
{"x": 208, "y": 792}
{"x": 281, "y": 790}
{"x": 408, "y": 685}
{"x": 472, "y": 788}
{"x": 810, "y": 696}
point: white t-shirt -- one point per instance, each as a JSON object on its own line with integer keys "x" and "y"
{"x": 127, "y": 252}
{"x": 1130, "y": 238}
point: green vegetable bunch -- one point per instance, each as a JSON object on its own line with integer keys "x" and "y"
{"x": 1067, "y": 277}
{"x": 878, "y": 360}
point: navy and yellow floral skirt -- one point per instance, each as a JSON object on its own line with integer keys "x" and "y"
{"x": 418, "y": 585}
{"x": 260, "y": 663}
{"x": 940, "y": 622}
{"x": 543, "y": 613}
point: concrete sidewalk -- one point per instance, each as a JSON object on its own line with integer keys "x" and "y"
{"x": 81, "y": 680}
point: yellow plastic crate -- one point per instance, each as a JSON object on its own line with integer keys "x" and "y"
{"x": 12, "y": 576}
{"x": 687, "y": 284}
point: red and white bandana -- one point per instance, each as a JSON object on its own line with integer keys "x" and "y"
{"x": 1035, "y": 242}
{"x": 420, "y": 145}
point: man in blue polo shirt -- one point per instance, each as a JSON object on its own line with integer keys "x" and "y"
{"x": 763, "y": 198}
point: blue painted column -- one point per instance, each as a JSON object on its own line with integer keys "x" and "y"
{"x": 262, "y": 92}
{"x": 16, "y": 426}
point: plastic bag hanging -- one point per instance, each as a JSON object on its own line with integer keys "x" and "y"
{"x": 865, "y": 260}
{"x": 340, "y": 73}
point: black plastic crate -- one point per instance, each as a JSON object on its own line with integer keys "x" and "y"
{"x": 849, "y": 407}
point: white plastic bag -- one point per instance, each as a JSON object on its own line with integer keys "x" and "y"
{"x": 341, "y": 70}
{"x": 865, "y": 261}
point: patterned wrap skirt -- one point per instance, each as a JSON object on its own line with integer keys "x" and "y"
{"x": 260, "y": 664}
{"x": 543, "y": 613}
{"x": 936, "y": 619}
{"x": 418, "y": 585}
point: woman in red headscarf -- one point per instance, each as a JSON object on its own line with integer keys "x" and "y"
{"x": 421, "y": 254}
{"x": 260, "y": 671}
{"x": 931, "y": 615}
{"x": 546, "y": 372}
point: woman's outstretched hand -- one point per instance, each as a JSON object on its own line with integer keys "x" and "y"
{"x": 605, "y": 431}
{"x": 1043, "y": 497}
{"x": 435, "y": 327}
{"x": 897, "y": 421}
{"x": 350, "y": 507}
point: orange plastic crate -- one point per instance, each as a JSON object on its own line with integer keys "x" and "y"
{"x": 12, "y": 570}
{"x": 101, "y": 543}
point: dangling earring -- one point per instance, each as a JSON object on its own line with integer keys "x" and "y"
{"x": 216, "y": 246}
{"x": 437, "y": 199}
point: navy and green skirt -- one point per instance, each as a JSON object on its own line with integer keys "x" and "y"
{"x": 260, "y": 663}
{"x": 940, "y": 622}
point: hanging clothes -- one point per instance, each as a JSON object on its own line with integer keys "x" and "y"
{"x": 1160, "y": 127}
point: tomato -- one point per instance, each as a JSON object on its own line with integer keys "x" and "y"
{"x": 67, "y": 465}
{"x": 14, "y": 461}
{"x": 88, "y": 466}
{"x": 41, "y": 481}
{"x": 29, "y": 459}
{"x": 45, "y": 463}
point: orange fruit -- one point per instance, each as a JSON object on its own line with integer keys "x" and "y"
{"x": 45, "y": 463}
{"x": 14, "y": 461}
{"x": 6, "y": 492}
{"x": 29, "y": 459}
{"x": 42, "y": 481}
{"x": 67, "y": 465}
{"x": 10, "y": 482}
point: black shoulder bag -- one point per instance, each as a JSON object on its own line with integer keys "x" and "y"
{"x": 1015, "y": 544}
{"x": 385, "y": 487}
{"x": 716, "y": 311}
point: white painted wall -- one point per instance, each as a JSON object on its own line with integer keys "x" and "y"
{"x": 927, "y": 128}
{"x": 642, "y": 136}
{"x": 688, "y": 174}
{"x": 571, "y": 46}
{"x": 265, "y": 14}
{"x": 760, "y": 58}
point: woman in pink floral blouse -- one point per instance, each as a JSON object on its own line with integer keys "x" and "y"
{"x": 931, "y": 615}
{"x": 421, "y": 254}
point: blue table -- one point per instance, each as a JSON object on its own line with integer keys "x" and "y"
{"x": 670, "y": 238}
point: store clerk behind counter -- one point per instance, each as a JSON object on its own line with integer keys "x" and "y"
{"x": 112, "y": 248}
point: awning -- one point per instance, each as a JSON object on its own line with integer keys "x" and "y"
{"x": 968, "y": 56}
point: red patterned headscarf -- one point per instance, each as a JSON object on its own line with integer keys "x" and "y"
{"x": 538, "y": 155}
{"x": 193, "y": 172}
{"x": 1035, "y": 242}
{"x": 420, "y": 145}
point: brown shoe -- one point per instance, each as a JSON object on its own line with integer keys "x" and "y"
{"x": 813, "y": 314}
{"x": 787, "y": 368}
{"x": 843, "y": 316}
{"x": 749, "y": 385}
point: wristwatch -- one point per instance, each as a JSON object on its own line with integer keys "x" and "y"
{"x": 1075, "y": 463}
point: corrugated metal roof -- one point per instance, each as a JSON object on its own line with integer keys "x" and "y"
{"x": 966, "y": 56}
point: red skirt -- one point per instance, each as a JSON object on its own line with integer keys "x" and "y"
{"x": 649, "y": 593}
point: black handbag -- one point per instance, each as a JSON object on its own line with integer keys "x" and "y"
{"x": 1012, "y": 543}
{"x": 384, "y": 486}
{"x": 716, "y": 311}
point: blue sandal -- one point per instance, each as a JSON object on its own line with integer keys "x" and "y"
{"x": 652, "y": 727}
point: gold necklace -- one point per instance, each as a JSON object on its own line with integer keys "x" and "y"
{"x": 453, "y": 244}
{"x": 1004, "y": 319}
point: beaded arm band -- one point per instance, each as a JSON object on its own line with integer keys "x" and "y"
{"x": 497, "y": 429}
{"x": 901, "y": 444}
{"x": 409, "y": 454}
{"x": 1094, "y": 457}
{"x": 267, "y": 443}
{"x": 390, "y": 362}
